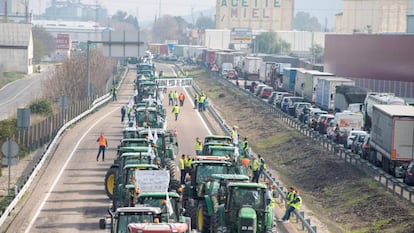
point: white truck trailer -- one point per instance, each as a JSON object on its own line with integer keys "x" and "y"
{"x": 392, "y": 137}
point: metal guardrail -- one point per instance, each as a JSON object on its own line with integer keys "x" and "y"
{"x": 49, "y": 148}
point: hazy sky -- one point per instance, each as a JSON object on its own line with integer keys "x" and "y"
{"x": 147, "y": 9}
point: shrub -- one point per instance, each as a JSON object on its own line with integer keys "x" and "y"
{"x": 42, "y": 107}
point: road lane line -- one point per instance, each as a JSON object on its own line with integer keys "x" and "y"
{"x": 28, "y": 229}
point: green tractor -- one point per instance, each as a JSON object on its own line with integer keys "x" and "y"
{"x": 241, "y": 207}
{"x": 202, "y": 169}
{"x": 125, "y": 154}
{"x": 149, "y": 117}
{"x": 207, "y": 207}
{"x": 125, "y": 191}
{"x": 166, "y": 148}
{"x": 159, "y": 199}
{"x": 117, "y": 221}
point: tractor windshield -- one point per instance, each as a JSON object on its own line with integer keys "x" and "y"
{"x": 247, "y": 197}
{"x": 124, "y": 220}
{"x": 204, "y": 172}
{"x": 162, "y": 204}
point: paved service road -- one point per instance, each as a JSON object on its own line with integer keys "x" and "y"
{"x": 68, "y": 194}
{"x": 21, "y": 92}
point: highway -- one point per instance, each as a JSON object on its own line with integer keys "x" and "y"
{"x": 21, "y": 92}
{"x": 68, "y": 194}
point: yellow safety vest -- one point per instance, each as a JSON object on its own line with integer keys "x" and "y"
{"x": 256, "y": 165}
{"x": 182, "y": 164}
{"x": 198, "y": 146}
{"x": 202, "y": 98}
{"x": 189, "y": 162}
{"x": 297, "y": 204}
{"x": 290, "y": 196}
{"x": 176, "y": 110}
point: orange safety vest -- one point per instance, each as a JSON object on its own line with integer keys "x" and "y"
{"x": 102, "y": 141}
{"x": 181, "y": 97}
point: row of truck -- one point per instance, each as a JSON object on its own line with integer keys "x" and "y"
{"x": 144, "y": 186}
{"x": 391, "y": 147}
{"x": 336, "y": 102}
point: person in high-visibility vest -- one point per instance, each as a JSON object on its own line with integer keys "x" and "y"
{"x": 294, "y": 205}
{"x": 182, "y": 169}
{"x": 170, "y": 98}
{"x": 103, "y": 143}
{"x": 188, "y": 165}
{"x": 201, "y": 102}
{"x": 176, "y": 111}
{"x": 175, "y": 97}
{"x": 256, "y": 167}
{"x": 198, "y": 146}
{"x": 195, "y": 101}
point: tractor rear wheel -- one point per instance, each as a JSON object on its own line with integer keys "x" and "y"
{"x": 222, "y": 229}
{"x": 203, "y": 219}
{"x": 172, "y": 168}
{"x": 110, "y": 182}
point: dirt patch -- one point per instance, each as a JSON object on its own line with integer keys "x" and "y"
{"x": 339, "y": 195}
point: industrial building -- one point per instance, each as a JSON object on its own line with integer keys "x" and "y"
{"x": 270, "y": 15}
{"x": 16, "y": 47}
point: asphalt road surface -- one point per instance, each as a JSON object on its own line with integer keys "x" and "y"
{"x": 68, "y": 194}
{"x": 21, "y": 92}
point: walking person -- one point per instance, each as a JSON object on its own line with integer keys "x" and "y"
{"x": 103, "y": 143}
{"x": 114, "y": 92}
{"x": 198, "y": 147}
{"x": 129, "y": 111}
{"x": 171, "y": 99}
{"x": 261, "y": 166}
{"x": 176, "y": 111}
{"x": 175, "y": 97}
{"x": 182, "y": 169}
{"x": 181, "y": 98}
{"x": 293, "y": 205}
{"x": 188, "y": 165}
{"x": 195, "y": 101}
{"x": 123, "y": 112}
{"x": 256, "y": 167}
{"x": 201, "y": 103}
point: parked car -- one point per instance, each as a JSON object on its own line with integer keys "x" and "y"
{"x": 409, "y": 174}
{"x": 351, "y": 137}
{"x": 299, "y": 106}
{"x": 279, "y": 97}
{"x": 265, "y": 92}
{"x": 231, "y": 74}
{"x": 288, "y": 101}
{"x": 357, "y": 142}
{"x": 365, "y": 147}
{"x": 313, "y": 116}
{"x": 272, "y": 97}
{"x": 258, "y": 89}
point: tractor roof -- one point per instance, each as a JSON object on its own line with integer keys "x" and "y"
{"x": 141, "y": 166}
{"x": 158, "y": 194}
{"x": 140, "y": 209}
{"x": 133, "y": 149}
{"x": 248, "y": 185}
{"x": 232, "y": 177}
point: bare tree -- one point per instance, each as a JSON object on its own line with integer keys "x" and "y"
{"x": 165, "y": 28}
{"x": 70, "y": 79}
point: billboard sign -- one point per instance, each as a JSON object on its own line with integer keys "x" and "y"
{"x": 241, "y": 36}
{"x": 63, "y": 41}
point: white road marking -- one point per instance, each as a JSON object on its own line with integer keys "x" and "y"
{"x": 62, "y": 170}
